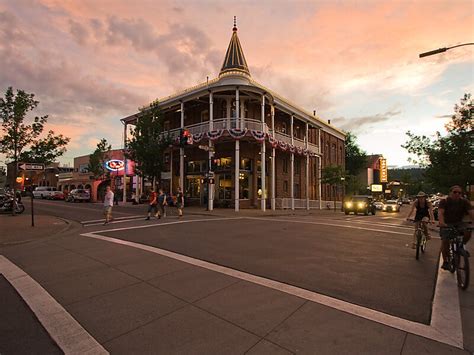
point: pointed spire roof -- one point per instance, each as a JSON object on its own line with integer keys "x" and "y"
{"x": 234, "y": 58}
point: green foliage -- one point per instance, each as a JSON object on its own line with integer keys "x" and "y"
{"x": 448, "y": 159}
{"x": 356, "y": 159}
{"x": 46, "y": 150}
{"x": 98, "y": 158}
{"x": 148, "y": 143}
{"x": 333, "y": 175}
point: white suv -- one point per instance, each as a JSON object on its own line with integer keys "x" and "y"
{"x": 44, "y": 192}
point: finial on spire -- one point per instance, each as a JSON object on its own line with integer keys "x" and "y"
{"x": 235, "y": 24}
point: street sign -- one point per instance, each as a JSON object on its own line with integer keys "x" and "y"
{"x": 30, "y": 166}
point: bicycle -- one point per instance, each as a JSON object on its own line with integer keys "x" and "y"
{"x": 420, "y": 237}
{"x": 458, "y": 257}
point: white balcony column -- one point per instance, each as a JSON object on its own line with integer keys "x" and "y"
{"x": 292, "y": 167}
{"x": 307, "y": 167}
{"x": 262, "y": 159}
{"x": 181, "y": 154}
{"x": 237, "y": 153}
{"x": 210, "y": 187}
{"x": 273, "y": 159}
{"x": 124, "y": 199}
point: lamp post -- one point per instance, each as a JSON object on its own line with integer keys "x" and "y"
{"x": 442, "y": 50}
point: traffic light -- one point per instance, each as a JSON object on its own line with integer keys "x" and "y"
{"x": 185, "y": 137}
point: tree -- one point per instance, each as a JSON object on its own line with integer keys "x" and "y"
{"x": 97, "y": 159}
{"x": 356, "y": 160}
{"x": 335, "y": 176}
{"x": 148, "y": 143}
{"x": 18, "y": 135}
{"x": 447, "y": 159}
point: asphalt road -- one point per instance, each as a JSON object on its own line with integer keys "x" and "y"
{"x": 365, "y": 260}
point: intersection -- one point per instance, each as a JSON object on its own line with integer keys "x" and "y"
{"x": 245, "y": 283}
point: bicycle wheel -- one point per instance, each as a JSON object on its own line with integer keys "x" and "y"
{"x": 423, "y": 242}
{"x": 452, "y": 259}
{"x": 418, "y": 243}
{"x": 462, "y": 269}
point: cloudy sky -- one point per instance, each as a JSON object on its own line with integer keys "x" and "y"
{"x": 92, "y": 62}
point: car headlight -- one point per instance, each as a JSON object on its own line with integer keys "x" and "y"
{"x": 349, "y": 204}
{"x": 361, "y": 205}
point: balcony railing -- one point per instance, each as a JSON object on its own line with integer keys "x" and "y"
{"x": 249, "y": 123}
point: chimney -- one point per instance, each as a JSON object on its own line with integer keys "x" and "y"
{"x": 329, "y": 121}
{"x": 314, "y": 112}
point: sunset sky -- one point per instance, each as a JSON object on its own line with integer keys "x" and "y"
{"x": 92, "y": 62}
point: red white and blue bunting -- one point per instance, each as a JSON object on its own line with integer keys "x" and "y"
{"x": 282, "y": 145}
{"x": 258, "y": 135}
{"x": 291, "y": 148}
{"x": 197, "y": 137}
{"x": 273, "y": 142}
{"x": 215, "y": 135}
{"x": 237, "y": 133}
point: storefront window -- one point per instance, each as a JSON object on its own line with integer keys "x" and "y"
{"x": 244, "y": 185}
{"x": 222, "y": 164}
{"x": 246, "y": 164}
{"x": 193, "y": 187}
{"x": 196, "y": 166}
{"x": 225, "y": 187}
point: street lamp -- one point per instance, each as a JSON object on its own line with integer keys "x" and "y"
{"x": 442, "y": 50}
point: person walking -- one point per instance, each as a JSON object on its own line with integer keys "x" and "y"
{"x": 161, "y": 203}
{"x": 153, "y": 204}
{"x": 108, "y": 204}
{"x": 180, "y": 202}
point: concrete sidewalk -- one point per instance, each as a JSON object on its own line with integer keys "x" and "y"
{"x": 134, "y": 301}
{"x": 124, "y": 297}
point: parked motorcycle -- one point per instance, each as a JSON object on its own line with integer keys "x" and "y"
{"x": 7, "y": 201}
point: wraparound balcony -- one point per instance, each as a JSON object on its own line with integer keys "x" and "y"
{"x": 250, "y": 124}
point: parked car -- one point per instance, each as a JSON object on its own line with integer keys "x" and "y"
{"x": 360, "y": 204}
{"x": 78, "y": 195}
{"x": 44, "y": 191}
{"x": 56, "y": 195}
{"x": 378, "y": 205}
{"x": 391, "y": 206}
{"x": 405, "y": 200}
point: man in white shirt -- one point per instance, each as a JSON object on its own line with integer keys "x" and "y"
{"x": 108, "y": 203}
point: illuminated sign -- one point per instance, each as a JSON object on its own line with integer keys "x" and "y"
{"x": 19, "y": 179}
{"x": 114, "y": 165}
{"x": 383, "y": 170}
{"x": 376, "y": 188}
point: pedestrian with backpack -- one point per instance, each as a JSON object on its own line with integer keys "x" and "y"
{"x": 153, "y": 204}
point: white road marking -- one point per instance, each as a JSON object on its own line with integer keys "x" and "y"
{"x": 68, "y": 334}
{"x": 98, "y": 220}
{"x": 141, "y": 218}
{"x": 328, "y": 224}
{"x": 169, "y": 223}
{"x": 439, "y": 330}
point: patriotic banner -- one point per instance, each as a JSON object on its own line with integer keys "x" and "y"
{"x": 237, "y": 133}
{"x": 306, "y": 151}
{"x": 215, "y": 135}
{"x": 299, "y": 150}
{"x": 197, "y": 137}
{"x": 282, "y": 145}
{"x": 272, "y": 141}
{"x": 258, "y": 135}
{"x": 291, "y": 148}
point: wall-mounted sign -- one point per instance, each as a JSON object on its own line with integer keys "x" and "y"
{"x": 376, "y": 188}
{"x": 114, "y": 165}
{"x": 383, "y": 170}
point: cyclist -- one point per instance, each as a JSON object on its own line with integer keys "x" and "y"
{"x": 451, "y": 212}
{"x": 424, "y": 210}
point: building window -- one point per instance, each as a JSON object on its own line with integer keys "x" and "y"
{"x": 233, "y": 110}
{"x": 283, "y": 128}
{"x": 285, "y": 165}
{"x": 296, "y": 131}
{"x": 205, "y": 116}
{"x": 166, "y": 126}
{"x": 285, "y": 186}
{"x": 244, "y": 185}
{"x": 333, "y": 153}
{"x": 297, "y": 166}
{"x": 297, "y": 190}
{"x": 196, "y": 166}
{"x": 193, "y": 188}
{"x": 225, "y": 187}
{"x": 224, "y": 109}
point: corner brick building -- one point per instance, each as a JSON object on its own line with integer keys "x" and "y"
{"x": 234, "y": 122}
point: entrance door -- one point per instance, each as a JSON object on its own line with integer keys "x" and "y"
{"x": 224, "y": 187}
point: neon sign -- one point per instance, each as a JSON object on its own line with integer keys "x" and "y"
{"x": 114, "y": 165}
